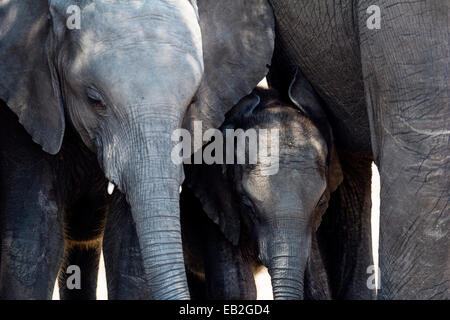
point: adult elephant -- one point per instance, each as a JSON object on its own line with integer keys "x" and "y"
{"x": 123, "y": 76}
{"x": 386, "y": 91}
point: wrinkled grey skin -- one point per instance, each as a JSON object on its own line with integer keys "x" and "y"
{"x": 257, "y": 219}
{"x": 124, "y": 82}
{"x": 386, "y": 94}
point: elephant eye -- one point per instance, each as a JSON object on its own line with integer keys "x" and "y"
{"x": 95, "y": 102}
{"x": 95, "y": 98}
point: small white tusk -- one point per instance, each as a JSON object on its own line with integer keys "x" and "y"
{"x": 181, "y": 189}
{"x": 111, "y": 187}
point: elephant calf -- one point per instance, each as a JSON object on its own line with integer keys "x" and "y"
{"x": 254, "y": 218}
{"x": 269, "y": 219}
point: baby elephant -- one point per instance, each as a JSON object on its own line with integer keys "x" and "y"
{"x": 259, "y": 213}
{"x": 270, "y": 215}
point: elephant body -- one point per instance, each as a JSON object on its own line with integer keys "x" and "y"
{"x": 54, "y": 215}
{"x": 386, "y": 96}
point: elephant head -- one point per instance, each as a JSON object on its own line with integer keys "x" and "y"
{"x": 279, "y": 211}
{"x": 124, "y": 79}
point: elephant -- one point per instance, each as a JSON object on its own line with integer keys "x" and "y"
{"x": 236, "y": 217}
{"x": 272, "y": 219}
{"x": 91, "y": 105}
{"x": 381, "y": 68}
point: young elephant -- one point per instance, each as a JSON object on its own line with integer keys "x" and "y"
{"x": 254, "y": 218}
{"x": 273, "y": 217}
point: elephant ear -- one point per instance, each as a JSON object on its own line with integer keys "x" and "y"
{"x": 213, "y": 187}
{"x": 210, "y": 185}
{"x": 242, "y": 110}
{"x": 238, "y": 42}
{"x": 26, "y": 82}
{"x": 303, "y": 95}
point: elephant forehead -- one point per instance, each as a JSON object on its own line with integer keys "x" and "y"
{"x": 296, "y": 135}
{"x": 287, "y": 189}
{"x": 111, "y": 24}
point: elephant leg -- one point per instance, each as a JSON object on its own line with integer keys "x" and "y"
{"x": 229, "y": 275}
{"x": 345, "y": 232}
{"x": 84, "y": 225}
{"x": 407, "y": 94}
{"x": 32, "y": 247}
{"x": 85, "y": 256}
{"x": 197, "y": 285}
{"x": 30, "y": 220}
{"x": 317, "y": 286}
{"x": 219, "y": 270}
{"x": 123, "y": 261}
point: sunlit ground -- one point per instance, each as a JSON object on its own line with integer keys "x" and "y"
{"x": 262, "y": 278}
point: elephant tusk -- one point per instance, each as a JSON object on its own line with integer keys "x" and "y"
{"x": 181, "y": 189}
{"x": 111, "y": 187}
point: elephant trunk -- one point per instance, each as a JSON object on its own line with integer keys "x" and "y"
{"x": 287, "y": 256}
{"x": 151, "y": 182}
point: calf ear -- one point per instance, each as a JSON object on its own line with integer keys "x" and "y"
{"x": 303, "y": 95}
{"x": 244, "y": 109}
{"x": 28, "y": 82}
{"x": 212, "y": 188}
{"x": 305, "y": 98}
{"x": 238, "y": 42}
